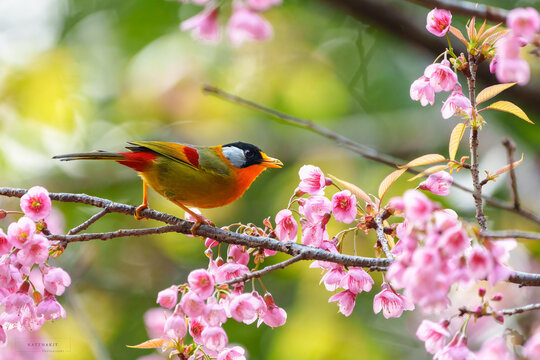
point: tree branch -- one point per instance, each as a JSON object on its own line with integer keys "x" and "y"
{"x": 381, "y": 237}
{"x": 507, "y": 234}
{"x": 355, "y": 147}
{"x": 507, "y": 312}
{"x": 266, "y": 270}
{"x": 88, "y": 222}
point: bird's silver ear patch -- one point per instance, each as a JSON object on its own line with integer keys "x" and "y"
{"x": 235, "y": 156}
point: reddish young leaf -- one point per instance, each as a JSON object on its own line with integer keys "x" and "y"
{"x": 509, "y": 166}
{"x": 424, "y": 160}
{"x": 149, "y": 344}
{"x": 429, "y": 171}
{"x": 457, "y": 33}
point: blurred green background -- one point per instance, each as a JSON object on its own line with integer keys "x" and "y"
{"x": 79, "y": 75}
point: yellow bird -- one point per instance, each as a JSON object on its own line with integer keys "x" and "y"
{"x": 187, "y": 175}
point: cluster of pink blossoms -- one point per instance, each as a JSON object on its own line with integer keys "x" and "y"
{"x": 440, "y": 77}
{"x": 205, "y": 306}
{"x": 245, "y": 23}
{"x": 434, "y": 252}
{"x": 524, "y": 24}
{"x": 27, "y": 296}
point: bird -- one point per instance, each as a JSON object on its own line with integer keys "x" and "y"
{"x": 189, "y": 175}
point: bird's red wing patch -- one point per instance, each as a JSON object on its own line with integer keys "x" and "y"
{"x": 139, "y": 160}
{"x": 192, "y": 156}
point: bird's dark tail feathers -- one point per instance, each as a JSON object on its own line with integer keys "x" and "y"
{"x": 94, "y": 155}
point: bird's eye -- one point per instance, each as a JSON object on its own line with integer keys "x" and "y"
{"x": 249, "y": 153}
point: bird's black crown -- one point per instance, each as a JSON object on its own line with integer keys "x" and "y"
{"x": 252, "y": 153}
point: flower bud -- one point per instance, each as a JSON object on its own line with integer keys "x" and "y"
{"x": 482, "y": 292}
{"x": 497, "y": 297}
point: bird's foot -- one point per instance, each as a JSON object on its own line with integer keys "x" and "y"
{"x": 200, "y": 221}
{"x": 138, "y": 210}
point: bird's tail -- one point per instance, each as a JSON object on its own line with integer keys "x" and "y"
{"x": 94, "y": 155}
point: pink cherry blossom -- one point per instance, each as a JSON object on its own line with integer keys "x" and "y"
{"x": 246, "y": 25}
{"x": 493, "y": 64}
{"x": 5, "y": 245}
{"x": 21, "y": 232}
{"x": 201, "y": 282}
{"x": 35, "y": 251}
{"x": 316, "y": 208}
{"x": 345, "y": 300}
{"x": 418, "y": 207}
{"x": 421, "y": 90}
{"x": 246, "y": 308}
{"x": 286, "y": 226}
{"x": 274, "y": 316}
{"x": 332, "y": 278}
{"x": 56, "y": 280}
{"x": 344, "y": 206}
{"x": 262, "y": 5}
{"x": 168, "y": 297}
{"x": 229, "y": 271}
{"x": 3, "y": 337}
{"x": 391, "y": 303}
{"x": 215, "y": 313}
{"x": 20, "y": 312}
{"x": 196, "y": 328}
{"x": 438, "y": 183}
{"x": 175, "y": 326}
{"x": 357, "y": 280}
{"x": 154, "y": 321}
{"x": 50, "y": 309}
{"x": 513, "y": 70}
{"x": 531, "y": 349}
{"x": 454, "y": 240}
{"x": 10, "y": 275}
{"x": 480, "y": 262}
{"x": 496, "y": 348}
{"x": 192, "y": 304}
{"x": 234, "y": 353}
{"x": 457, "y": 103}
{"x": 204, "y": 26}
{"x": 438, "y": 21}
{"x": 214, "y": 338}
{"x": 524, "y": 22}
{"x": 238, "y": 254}
{"x": 313, "y": 234}
{"x": 312, "y": 180}
{"x": 36, "y": 203}
{"x": 441, "y": 76}
{"x": 433, "y": 335}
{"x": 456, "y": 350}
{"x": 508, "y": 47}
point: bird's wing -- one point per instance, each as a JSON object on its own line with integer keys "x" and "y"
{"x": 183, "y": 154}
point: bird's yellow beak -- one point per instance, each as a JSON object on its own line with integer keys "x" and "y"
{"x": 270, "y": 162}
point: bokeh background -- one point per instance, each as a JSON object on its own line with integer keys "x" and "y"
{"x": 79, "y": 75}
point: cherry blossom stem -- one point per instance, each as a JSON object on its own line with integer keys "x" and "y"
{"x": 356, "y": 147}
{"x": 266, "y": 270}
{"x": 506, "y": 312}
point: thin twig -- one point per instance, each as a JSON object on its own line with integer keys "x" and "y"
{"x": 466, "y": 8}
{"x": 508, "y": 234}
{"x": 89, "y": 222}
{"x": 507, "y": 312}
{"x": 510, "y": 149}
{"x": 66, "y": 239}
{"x": 266, "y": 270}
{"x": 358, "y": 148}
